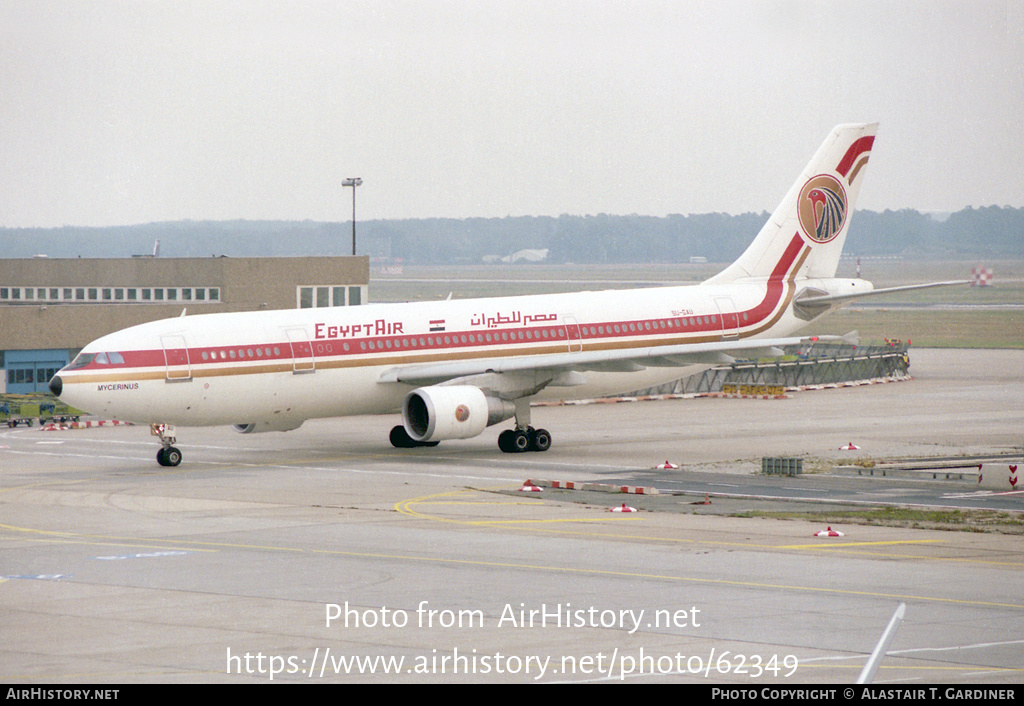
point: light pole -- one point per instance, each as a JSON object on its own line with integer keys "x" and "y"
{"x": 353, "y": 183}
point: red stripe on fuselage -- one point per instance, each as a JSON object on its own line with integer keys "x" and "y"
{"x": 777, "y": 281}
{"x": 703, "y": 325}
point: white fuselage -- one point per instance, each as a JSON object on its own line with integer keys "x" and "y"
{"x": 292, "y": 365}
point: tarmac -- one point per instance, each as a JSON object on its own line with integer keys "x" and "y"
{"x": 324, "y": 555}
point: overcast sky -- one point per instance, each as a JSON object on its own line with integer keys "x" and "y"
{"x": 117, "y": 113}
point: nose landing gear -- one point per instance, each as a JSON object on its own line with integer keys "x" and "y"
{"x": 168, "y": 455}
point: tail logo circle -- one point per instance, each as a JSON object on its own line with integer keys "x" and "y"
{"x": 822, "y": 208}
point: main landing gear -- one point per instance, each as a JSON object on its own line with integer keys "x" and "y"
{"x": 168, "y": 455}
{"x": 400, "y": 439}
{"x": 513, "y": 441}
{"x": 523, "y": 437}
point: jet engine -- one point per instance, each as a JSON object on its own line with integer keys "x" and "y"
{"x": 286, "y": 424}
{"x": 443, "y": 412}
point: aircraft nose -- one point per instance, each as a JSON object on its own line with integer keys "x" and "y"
{"x": 56, "y": 385}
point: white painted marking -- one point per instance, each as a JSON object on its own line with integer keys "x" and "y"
{"x": 145, "y": 555}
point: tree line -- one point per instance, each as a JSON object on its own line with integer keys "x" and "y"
{"x": 992, "y": 232}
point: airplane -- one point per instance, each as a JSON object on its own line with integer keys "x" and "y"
{"x": 455, "y": 367}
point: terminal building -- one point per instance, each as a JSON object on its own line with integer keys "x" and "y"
{"x": 51, "y": 308}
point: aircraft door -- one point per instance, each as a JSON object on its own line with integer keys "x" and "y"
{"x": 729, "y": 317}
{"x": 176, "y": 359}
{"x": 302, "y": 351}
{"x": 572, "y": 333}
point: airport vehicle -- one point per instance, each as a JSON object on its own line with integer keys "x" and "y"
{"x": 453, "y": 368}
{"x": 16, "y": 416}
{"x": 25, "y": 409}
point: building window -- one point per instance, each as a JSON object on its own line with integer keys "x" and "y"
{"x": 319, "y": 296}
{"x": 108, "y": 294}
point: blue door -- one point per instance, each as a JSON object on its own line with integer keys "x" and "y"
{"x": 30, "y": 371}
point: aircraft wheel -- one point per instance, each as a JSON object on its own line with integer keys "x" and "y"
{"x": 400, "y": 438}
{"x": 505, "y": 441}
{"x": 520, "y": 441}
{"x": 168, "y": 457}
{"x": 540, "y": 440}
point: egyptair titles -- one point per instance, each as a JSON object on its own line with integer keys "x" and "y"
{"x": 380, "y": 327}
{"x": 385, "y": 327}
{"x": 513, "y": 318}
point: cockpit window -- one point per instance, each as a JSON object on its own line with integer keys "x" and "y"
{"x": 81, "y": 361}
{"x": 105, "y": 358}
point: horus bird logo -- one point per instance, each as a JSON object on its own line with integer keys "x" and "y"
{"x": 822, "y": 208}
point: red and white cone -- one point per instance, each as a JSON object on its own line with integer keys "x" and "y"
{"x": 529, "y": 487}
{"x": 624, "y": 508}
{"x": 829, "y": 533}
{"x": 667, "y": 466}
{"x": 850, "y": 447}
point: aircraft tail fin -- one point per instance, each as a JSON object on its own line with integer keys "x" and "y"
{"x": 804, "y": 236}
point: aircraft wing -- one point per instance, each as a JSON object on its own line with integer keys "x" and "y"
{"x": 565, "y": 367}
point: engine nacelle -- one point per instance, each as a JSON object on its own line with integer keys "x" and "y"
{"x": 451, "y": 412}
{"x": 268, "y": 425}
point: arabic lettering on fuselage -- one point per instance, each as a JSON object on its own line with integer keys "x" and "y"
{"x": 385, "y": 327}
{"x": 514, "y": 318}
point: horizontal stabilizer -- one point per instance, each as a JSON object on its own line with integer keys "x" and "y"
{"x": 823, "y": 299}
